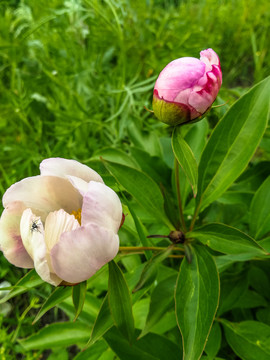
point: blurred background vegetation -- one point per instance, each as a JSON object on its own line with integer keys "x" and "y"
{"x": 75, "y": 76}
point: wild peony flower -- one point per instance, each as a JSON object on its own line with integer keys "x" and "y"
{"x": 186, "y": 88}
{"x": 64, "y": 222}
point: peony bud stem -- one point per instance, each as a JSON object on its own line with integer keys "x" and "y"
{"x": 177, "y": 182}
{"x": 195, "y": 217}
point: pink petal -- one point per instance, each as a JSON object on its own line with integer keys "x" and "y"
{"x": 63, "y": 167}
{"x": 201, "y": 101}
{"x": 10, "y": 238}
{"x": 183, "y": 96}
{"x": 202, "y": 98}
{"x": 178, "y": 75}
{"x": 216, "y": 73}
{"x": 201, "y": 83}
{"x": 209, "y": 57}
{"x": 101, "y": 206}
{"x": 80, "y": 253}
{"x": 45, "y": 194}
{"x": 33, "y": 240}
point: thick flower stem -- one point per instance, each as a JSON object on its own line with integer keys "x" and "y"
{"x": 176, "y": 256}
{"x": 142, "y": 248}
{"x": 177, "y": 182}
{"x": 141, "y": 253}
{"x": 195, "y": 217}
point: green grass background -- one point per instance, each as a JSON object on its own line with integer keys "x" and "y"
{"x": 75, "y": 74}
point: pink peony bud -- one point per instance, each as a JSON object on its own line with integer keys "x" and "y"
{"x": 186, "y": 88}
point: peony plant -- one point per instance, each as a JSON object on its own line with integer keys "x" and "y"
{"x": 198, "y": 234}
{"x": 186, "y": 88}
{"x": 63, "y": 223}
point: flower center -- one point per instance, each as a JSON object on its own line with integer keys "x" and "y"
{"x": 77, "y": 214}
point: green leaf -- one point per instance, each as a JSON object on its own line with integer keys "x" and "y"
{"x": 150, "y": 269}
{"x": 259, "y": 280}
{"x": 140, "y": 309}
{"x": 58, "y": 334}
{"x": 251, "y": 299}
{"x": 225, "y": 261}
{"x": 250, "y": 340}
{"x": 145, "y": 140}
{"x": 227, "y": 240}
{"x": 233, "y": 143}
{"x": 196, "y": 137}
{"x": 56, "y": 297}
{"x": 104, "y": 319}
{"x": 139, "y": 227}
{"x": 168, "y": 156}
{"x": 102, "y": 324}
{"x": 196, "y": 298}
{"x": 78, "y": 297}
{"x": 265, "y": 243}
{"x": 115, "y": 155}
{"x": 90, "y": 309}
{"x": 29, "y": 281}
{"x": 154, "y": 166}
{"x": 196, "y": 140}
{"x": 120, "y": 301}
{"x": 58, "y": 354}
{"x": 185, "y": 158}
{"x": 263, "y": 315}
{"x": 142, "y": 188}
{"x": 233, "y": 286}
{"x": 150, "y": 347}
{"x": 236, "y": 197}
{"x": 214, "y": 341}
{"x": 260, "y": 211}
{"x": 161, "y": 301}
{"x": 166, "y": 324}
{"x": 253, "y": 177}
{"x": 92, "y": 353}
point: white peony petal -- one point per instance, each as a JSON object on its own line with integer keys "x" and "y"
{"x": 10, "y": 237}
{"x": 79, "y": 184}
{"x": 63, "y": 167}
{"x": 44, "y": 193}
{"x": 58, "y": 222}
{"x": 101, "y": 206}
{"x": 32, "y": 233}
{"x": 81, "y": 252}
{"x": 30, "y": 225}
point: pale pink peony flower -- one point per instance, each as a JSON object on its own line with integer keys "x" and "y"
{"x": 186, "y": 88}
{"x": 63, "y": 223}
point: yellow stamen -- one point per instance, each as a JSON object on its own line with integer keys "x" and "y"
{"x": 77, "y": 214}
